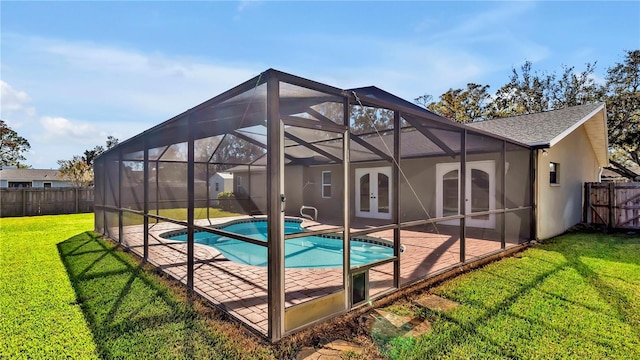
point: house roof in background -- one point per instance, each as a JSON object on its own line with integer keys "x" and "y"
{"x": 225, "y": 175}
{"x": 29, "y": 174}
{"x": 547, "y": 128}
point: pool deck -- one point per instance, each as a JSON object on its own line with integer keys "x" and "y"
{"x": 242, "y": 289}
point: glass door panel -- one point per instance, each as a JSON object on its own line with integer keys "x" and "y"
{"x": 365, "y": 193}
{"x": 479, "y": 197}
{"x": 450, "y": 201}
{"x": 479, "y": 188}
{"x": 373, "y": 192}
{"x": 383, "y": 193}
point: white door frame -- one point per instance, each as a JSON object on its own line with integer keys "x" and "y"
{"x": 374, "y": 194}
{"x": 487, "y": 166}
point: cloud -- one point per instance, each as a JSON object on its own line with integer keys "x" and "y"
{"x": 245, "y": 4}
{"x": 407, "y": 68}
{"x": 61, "y": 128}
{"x": 59, "y": 138}
{"x": 113, "y": 90}
{"x": 12, "y": 101}
{"x": 153, "y": 83}
{"x": 497, "y": 21}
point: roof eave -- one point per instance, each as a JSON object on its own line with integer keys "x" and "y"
{"x": 573, "y": 127}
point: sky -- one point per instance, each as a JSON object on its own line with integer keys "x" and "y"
{"x": 73, "y": 73}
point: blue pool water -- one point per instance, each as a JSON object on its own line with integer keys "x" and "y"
{"x": 304, "y": 252}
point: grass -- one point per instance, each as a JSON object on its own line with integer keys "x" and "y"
{"x": 103, "y": 305}
{"x": 575, "y": 296}
{"x": 177, "y": 214}
{"x": 39, "y": 315}
{"x": 65, "y": 293}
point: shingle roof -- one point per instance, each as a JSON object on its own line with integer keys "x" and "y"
{"x": 539, "y": 128}
{"x": 29, "y": 174}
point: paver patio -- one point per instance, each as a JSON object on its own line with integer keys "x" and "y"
{"x": 242, "y": 289}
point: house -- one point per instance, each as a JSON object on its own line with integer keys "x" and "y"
{"x": 401, "y": 195}
{"x": 31, "y": 178}
{"x": 571, "y": 148}
{"x": 220, "y": 182}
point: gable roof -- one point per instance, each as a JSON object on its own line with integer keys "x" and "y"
{"x": 545, "y": 129}
{"x": 29, "y": 174}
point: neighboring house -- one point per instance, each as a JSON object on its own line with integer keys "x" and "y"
{"x": 220, "y": 182}
{"x": 31, "y": 178}
{"x": 572, "y": 148}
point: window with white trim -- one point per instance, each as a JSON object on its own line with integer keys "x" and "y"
{"x": 326, "y": 184}
{"x": 554, "y": 173}
{"x": 47, "y": 185}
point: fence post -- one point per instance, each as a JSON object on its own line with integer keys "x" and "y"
{"x": 24, "y": 202}
{"x": 587, "y": 203}
{"x": 611, "y": 202}
{"x": 76, "y": 197}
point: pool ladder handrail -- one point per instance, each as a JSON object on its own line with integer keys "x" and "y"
{"x": 307, "y": 216}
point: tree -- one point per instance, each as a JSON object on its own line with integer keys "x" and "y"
{"x": 424, "y": 100}
{"x": 78, "y": 172}
{"x": 90, "y": 155}
{"x": 12, "y": 146}
{"x": 462, "y": 105}
{"x": 366, "y": 119}
{"x": 112, "y": 141}
{"x": 526, "y": 92}
{"x": 573, "y": 89}
{"x": 623, "y": 106}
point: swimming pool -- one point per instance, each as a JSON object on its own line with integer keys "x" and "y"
{"x": 306, "y": 252}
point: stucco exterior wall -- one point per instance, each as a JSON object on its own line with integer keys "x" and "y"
{"x": 560, "y": 206}
{"x": 293, "y": 189}
{"x": 303, "y": 186}
{"x": 420, "y": 173}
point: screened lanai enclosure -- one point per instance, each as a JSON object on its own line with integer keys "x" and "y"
{"x": 333, "y": 198}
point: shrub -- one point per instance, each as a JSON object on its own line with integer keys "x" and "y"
{"x": 227, "y": 202}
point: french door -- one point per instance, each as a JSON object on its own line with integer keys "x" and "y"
{"x": 479, "y": 189}
{"x": 373, "y": 192}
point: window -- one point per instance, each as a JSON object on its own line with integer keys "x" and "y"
{"x": 326, "y": 184}
{"x": 217, "y": 187}
{"x": 47, "y": 185}
{"x": 239, "y": 185}
{"x": 554, "y": 173}
{"x": 19, "y": 184}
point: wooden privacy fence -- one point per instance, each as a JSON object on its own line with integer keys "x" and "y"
{"x": 616, "y": 205}
{"x": 45, "y": 201}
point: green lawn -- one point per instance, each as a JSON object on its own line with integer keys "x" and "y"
{"x": 103, "y": 305}
{"x": 65, "y": 293}
{"x": 39, "y": 315}
{"x": 177, "y": 214}
{"x": 576, "y": 296}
